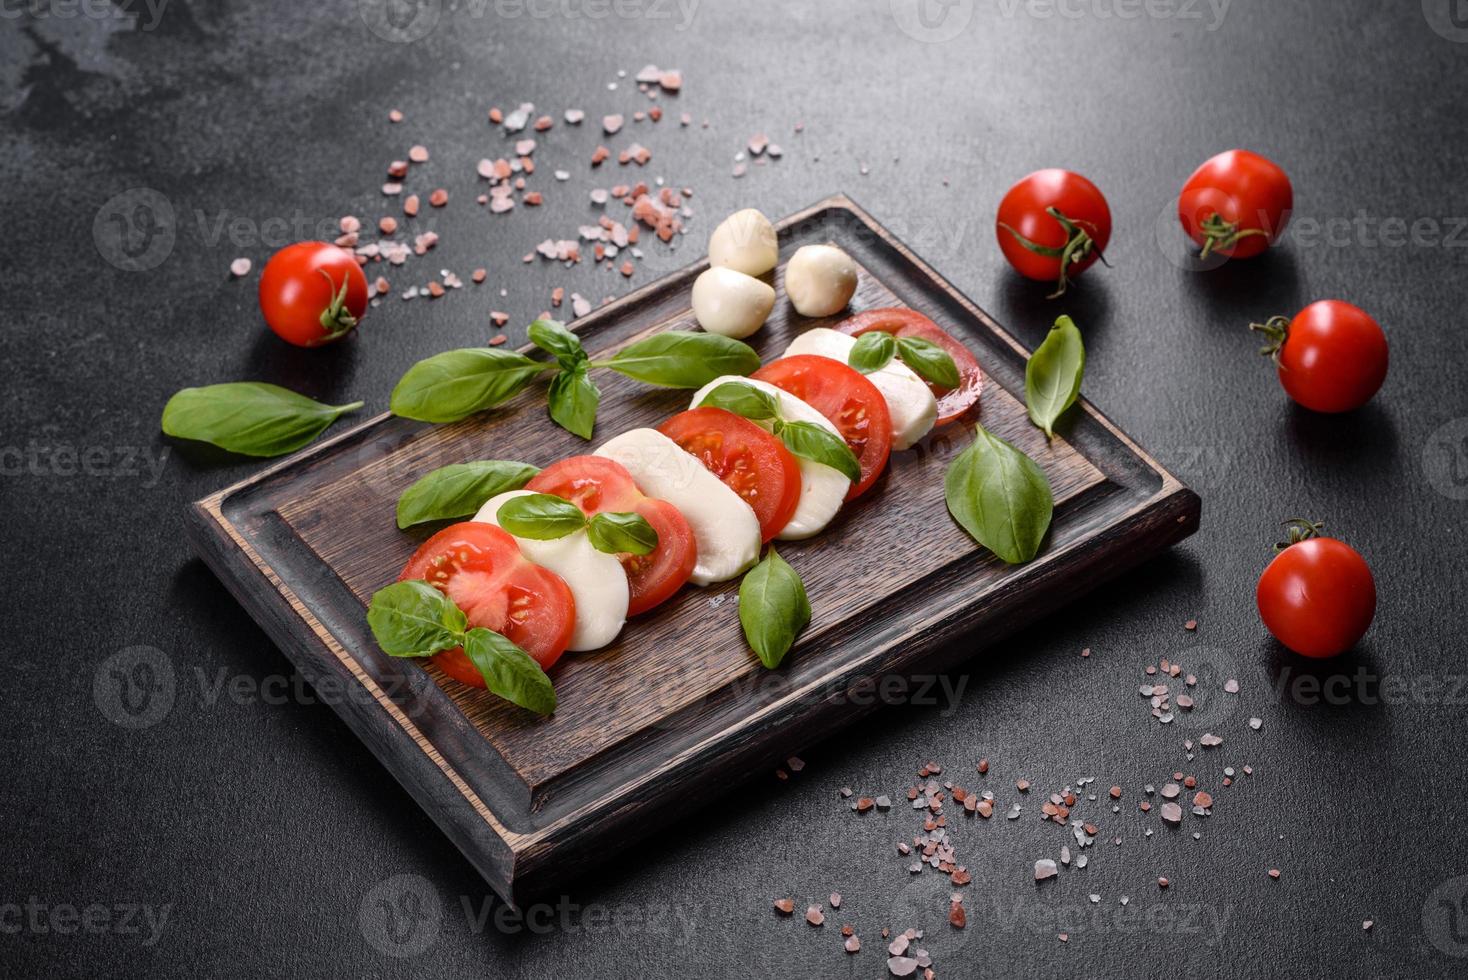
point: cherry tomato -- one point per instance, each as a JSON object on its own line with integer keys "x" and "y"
{"x": 1236, "y": 204}
{"x": 480, "y": 567}
{"x": 1332, "y": 356}
{"x": 848, "y": 401}
{"x": 953, "y": 403}
{"x": 598, "y": 485}
{"x": 1317, "y": 597}
{"x": 750, "y": 461}
{"x": 312, "y": 293}
{"x": 1053, "y": 225}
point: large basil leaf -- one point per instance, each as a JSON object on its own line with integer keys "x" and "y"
{"x": 683, "y": 359}
{"x": 457, "y": 383}
{"x": 460, "y": 489}
{"x": 413, "y": 619}
{"x": 810, "y": 441}
{"x": 1000, "y": 497}
{"x": 552, "y": 337}
{"x": 509, "y": 671}
{"x": 928, "y": 361}
{"x": 1053, "y": 375}
{"x": 872, "y": 351}
{"x": 540, "y": 517}
{"x": 249, "y": 417}
{"x": 742, "y": 399}
{"x": 622, "y": 534}
{"x": 573, "y": 399}
{"x": 773, "y": 608}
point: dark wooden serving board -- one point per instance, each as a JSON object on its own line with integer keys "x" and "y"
{"x": 678, "y": 707}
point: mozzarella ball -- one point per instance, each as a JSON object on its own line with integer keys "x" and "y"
{"x": 746, "y": 243}
{"x": 730, "y": 303}
{"x": 820, "y": 280}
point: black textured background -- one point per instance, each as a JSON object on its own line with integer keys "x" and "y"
{"x": 271, "y": 837}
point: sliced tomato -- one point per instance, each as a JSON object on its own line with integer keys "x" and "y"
{"x": 847, "y": 399}
{"x": 750, "y": 461}
{"x": 599, "y": 485}
{"x": 480, "y": 567}
{"x": 952, "y": 402}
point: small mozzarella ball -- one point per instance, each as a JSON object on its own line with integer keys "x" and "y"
{"x": 746, "y": 243}
{"x": 730, "y": 303}
{"x": 820, "y": 280}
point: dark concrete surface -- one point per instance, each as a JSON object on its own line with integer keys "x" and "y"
{"x": 263, "y": 840}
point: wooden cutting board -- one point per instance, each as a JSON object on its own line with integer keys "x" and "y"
{"x": 678, "y": 708}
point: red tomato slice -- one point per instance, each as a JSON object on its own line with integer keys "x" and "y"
{"x": 847, "y": 399}
{"x": 480, "y": 567}
{"x": 952, "y": 402}
{"x": 750, "y": 461}
{"x": 598, "y": 485}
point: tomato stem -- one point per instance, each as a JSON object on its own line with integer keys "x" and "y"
{"x": 1079, "y": 244}
{"x": 336, "y": 319}
{"x": 1219, "y": 234}
{"x": 1300, "y": 529}
{"x": 1277, "y": 330}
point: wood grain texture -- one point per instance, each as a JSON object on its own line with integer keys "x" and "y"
{"x": 678, "y": 703}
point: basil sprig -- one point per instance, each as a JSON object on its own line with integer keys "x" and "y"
{"x": 413, "y": 619}
{"x": 805, "y": 439}
{"x": 546, "y": 517}
{"x": 875, "y": 349}
{"x": 249, "y": 417}
{"x": 460, "y": 489}
{"x": 455, "y": 384}
{"x": 1053, "y": 374}
{"x": 1000, "y": 497}
{"x": 773, "y": 608}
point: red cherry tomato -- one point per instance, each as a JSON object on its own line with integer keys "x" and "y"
{"x": 1332, "y": 356}
{"x": 599, "y": 485}
{"x": 1317, "y": 597}
{"x": 312, "y": 293}
{"x": 848, "y": 401}
{"x": 750, "y": 461}
{"x": 480, "y": 567}
{"x": 1236, "y": 204}
{"x": 1053, "y": 225}
{"x": 953, "y": 403}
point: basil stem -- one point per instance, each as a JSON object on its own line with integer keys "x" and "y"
{"x": 249, "y": 417}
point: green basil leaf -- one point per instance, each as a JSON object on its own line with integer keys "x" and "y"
{"x": 742, "y": 399}
{"x": 873, "y": 351}
{"x": 683, "y": 359}
{"x": 1053, "y": 375}
{"x": 1000, "y": 497}
{"x": 540, "y": 517}
{"x": 773, "y": 608}
{"x": 552, "y": 337}
{"x": 249, "y": 417}
{"x": 928, "y": 361}
{"x": 622, "y": 534}
{"x": 413, "y": 619}
{"x": 457, "y": 383}
{"x": 509, "y": 671}
{"x": 459, "y": 490}
{"x": 573, "y": 399}
{"x": 810, "y": 441}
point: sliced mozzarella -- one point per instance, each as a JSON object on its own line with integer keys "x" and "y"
{"x": 822, "y": 489}
{"x": 909, "y": 400}
{"x": 724, "y": 526}
{"x": 595, "y": 578}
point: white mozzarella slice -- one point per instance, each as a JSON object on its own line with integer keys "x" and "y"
{"x": 725, "y": 529}
{"x": 910, "y": 401}
{"x": 595, "y": 578}
{"x": 822, "y": 489}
